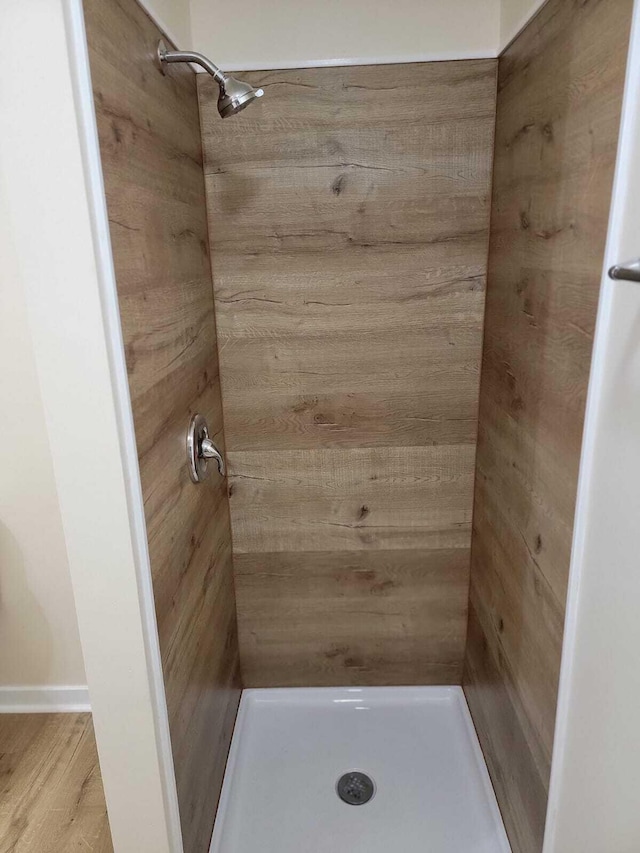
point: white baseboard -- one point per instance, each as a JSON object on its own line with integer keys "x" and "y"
{"x": 44, "y": 700}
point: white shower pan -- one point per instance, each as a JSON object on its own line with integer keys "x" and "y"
{"x": 417, "y": 744}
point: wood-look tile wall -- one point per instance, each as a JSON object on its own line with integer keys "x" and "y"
{"x": 349, "y": 214}
{"x": 559, "y": 98}
{"x": 152, "y": 164}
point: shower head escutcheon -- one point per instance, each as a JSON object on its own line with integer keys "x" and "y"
{"x": 234, "y": 94}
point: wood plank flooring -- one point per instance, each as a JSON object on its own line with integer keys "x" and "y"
{"x": 51, "y": 795}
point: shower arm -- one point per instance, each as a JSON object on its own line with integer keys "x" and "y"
{"x": 165, "y": 55}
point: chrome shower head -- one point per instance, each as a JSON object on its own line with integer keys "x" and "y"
{"x": 234, "y": 94}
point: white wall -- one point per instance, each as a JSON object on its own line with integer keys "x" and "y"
{"x": 173, "y": 17}
{"x": 51, "y": 185}
{"x": 593, "y": 804}
{"x": 514, "y": 15}
{"x": 39, "y": 642}
{"x": 257, "y": 34}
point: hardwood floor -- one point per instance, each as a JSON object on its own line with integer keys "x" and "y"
{"x": 51, "y": 795}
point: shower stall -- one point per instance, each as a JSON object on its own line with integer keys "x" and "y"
{"x": 358, "y": 321}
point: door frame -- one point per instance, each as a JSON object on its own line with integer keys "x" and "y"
{"x": 595, "y": 770}
{"x": 72, "y": 302}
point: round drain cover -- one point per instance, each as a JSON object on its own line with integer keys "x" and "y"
{"x": 355, "y": 788}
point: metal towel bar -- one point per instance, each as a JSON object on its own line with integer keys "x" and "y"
{"x": 626, "y": 272}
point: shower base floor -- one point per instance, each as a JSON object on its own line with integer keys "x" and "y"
{"x": 418, "y": 744}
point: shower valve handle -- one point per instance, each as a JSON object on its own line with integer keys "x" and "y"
{"x": 200, "y": 449}
{"x": 208, "y": 450}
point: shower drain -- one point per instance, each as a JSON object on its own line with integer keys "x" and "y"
{"x": 355, "y": 788}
